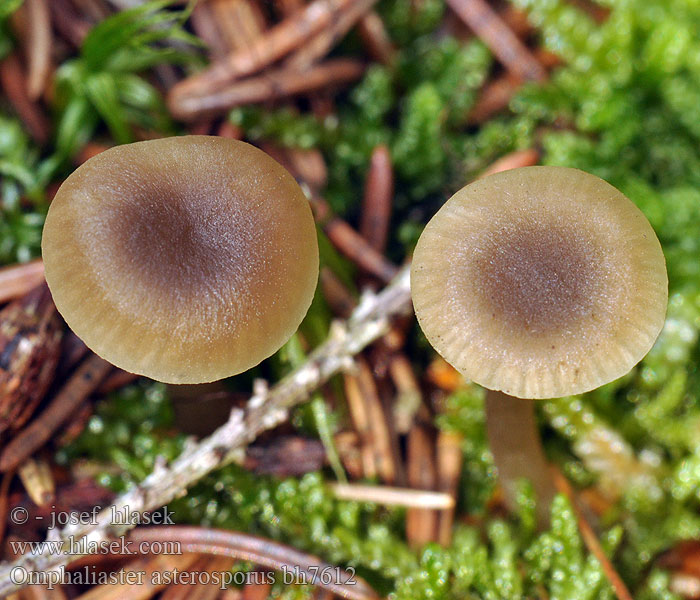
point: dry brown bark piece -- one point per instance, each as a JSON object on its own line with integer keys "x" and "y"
{"x": 14, "y": 85}
{"x": 38, "y": 48}
{"x": 377, "y": 202}
{"x": 83, "y": 382}
{"x": 421, "y": 523}
{"x": 491, "y": 29}
{"x": 376, "y": 39}
{"x": 449, "y": 467}
{"x": 279, "y": 41}
{"x": 268, "y": 87}
{"x": 30, "y": 335}
{"x": 17, "y": 280}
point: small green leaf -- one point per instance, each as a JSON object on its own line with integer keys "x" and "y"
{"x": 103, "y": 94}
{"x": 112, "y": 33}
{"x": 7, "y": 7}
{"x": 75, "y": 127}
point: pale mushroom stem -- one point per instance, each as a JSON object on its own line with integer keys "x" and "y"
{"x": 517, "y": 451}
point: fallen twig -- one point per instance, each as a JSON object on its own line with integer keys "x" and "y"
{"x": 231, "y": 131}
{"x": 38, "y": 47}
{"x": 340, "y": 300}
{"x": 239, "y": 22}
{"x": 278, "y": 41}
{"x": 360, "y": 421}
{"x": 265, "y": 410}
{"x": 408, "y": 394}
{"x": 449, "y": 466}
{"x": 76, "y": 425}
{"x": 4, "y": 505}
{"x": 14, "y": 83}
{"x": 38, "y": 481}
{"x": 381, "y": 436}
{"x": 77, "y": 388}
{"x": 68, "y": 22}
{"x": 286, "y": 8}
{"x": 516, "y": 20}
{"x": 286, "y": 456}
{"x": 421, "y": 524}
{"x": 685, "y": 586}
{"x": 494, "y": 98}
{"x": 309, "y": 166}
{"x": 147, "y": 572}
{"x": 376, "y": 39}
{"x": 205, "y": 26}
{"x": 486, "y": 23}
{"x": 393, "y": 496}
{"x": 271, "y": 86}
{"x": 199, "y": 590}
{"x": 30, "y": 338}
{"x": 595, "y": 10}
{"x": 116, "y": 380}
{"x": 319, "y": 45}
{"x": 261, "y": 591}
{"x": 17, "y": 280}
{"x": 379, "y": 194}
{"x": 73, "y": 350}
{"x": 95, "y": 10}
{"x": 591, "y": 539}
{"x": 354, "y": 247}
{"x": 514, "y": 160}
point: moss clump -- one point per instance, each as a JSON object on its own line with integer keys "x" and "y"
{"x": 129, "y": 430}
{"x": 23, "y": 201}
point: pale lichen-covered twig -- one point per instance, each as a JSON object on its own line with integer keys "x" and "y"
{"x": 266, "y": 409}
{"x": 393, "y": 496}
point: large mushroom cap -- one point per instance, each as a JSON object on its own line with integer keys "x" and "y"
{"x": 540, "y": 282}
{"x": 184, "y": 259}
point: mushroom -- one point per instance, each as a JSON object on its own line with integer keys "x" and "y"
{"x": 538, "y": 282}
{"x": 184, "y": 259}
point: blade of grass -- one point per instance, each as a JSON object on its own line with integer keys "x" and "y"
{"x": 103, "y": 94}
{"x": 112, "y": 33}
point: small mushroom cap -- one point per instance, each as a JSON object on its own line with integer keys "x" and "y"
{"x": 185, "y": 259}
{"x": 540, "y": 282}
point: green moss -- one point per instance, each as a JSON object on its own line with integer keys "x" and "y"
{"x": 102, "y": 84}
{"x": 129, "y": 430}
{"x": 22, "y": 199}
{"x": 499, "y": 561}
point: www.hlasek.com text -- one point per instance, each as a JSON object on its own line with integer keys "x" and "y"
{"x": 81, "y": 546}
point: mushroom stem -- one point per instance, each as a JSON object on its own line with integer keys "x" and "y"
{"x": 517, "y": 450}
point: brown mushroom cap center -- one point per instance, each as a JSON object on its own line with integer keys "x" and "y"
{"x": 188, "y": 236}
{"x": 538, "y": 278}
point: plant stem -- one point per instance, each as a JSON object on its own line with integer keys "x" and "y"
{"x": 515, "y": 444}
